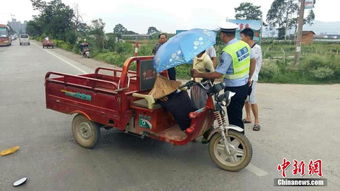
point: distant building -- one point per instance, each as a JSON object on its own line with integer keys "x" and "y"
{"x": 135, "y": 36}
{"x": 17, "y": 26}
{"x": 327, "y": 37}
{"x": 307, "y": 37}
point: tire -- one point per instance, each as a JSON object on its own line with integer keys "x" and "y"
{"x": 220, "y": 156}
{"x": 85, "y": 132}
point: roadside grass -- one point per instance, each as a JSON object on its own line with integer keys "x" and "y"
{"x": 319, "y": 64}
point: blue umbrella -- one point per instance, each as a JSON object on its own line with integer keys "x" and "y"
{"x": 183, "y": 47}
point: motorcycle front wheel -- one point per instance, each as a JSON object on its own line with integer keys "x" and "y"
{"x": 240, "y": 149}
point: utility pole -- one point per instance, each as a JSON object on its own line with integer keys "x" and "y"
{"x": 299, "y": 32}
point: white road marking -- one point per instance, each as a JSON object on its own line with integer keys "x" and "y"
{"x": 256, "y": 170}
{"x": 65, "y": 61}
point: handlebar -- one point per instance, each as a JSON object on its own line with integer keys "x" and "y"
{"x": 214, "y": 90}
{"x": 191, "y": 83}
{"x": 217, "y": 88}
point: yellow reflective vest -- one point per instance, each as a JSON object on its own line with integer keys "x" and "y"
{"x": 240, "y": 55}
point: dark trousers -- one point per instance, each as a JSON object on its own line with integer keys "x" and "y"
{"x": 179, "y": 105}
{"x": 235, "y": 107}
{"x": 172, "y": 73}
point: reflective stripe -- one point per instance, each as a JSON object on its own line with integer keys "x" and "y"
{"x": 240, "y": 54}
{"x": 234, "y": 76}
{"x": 241, "y": 68}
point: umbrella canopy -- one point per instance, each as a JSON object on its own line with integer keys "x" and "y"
{"x": 183, "y": 47}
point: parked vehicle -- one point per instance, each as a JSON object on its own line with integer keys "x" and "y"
{"x": 24, "y": 39}
{"x": 121, "y": 101}
{"x": 85, "y": 49}
{"x": 5, "y": 37}
{"x": 14, "y": 37}
{"x": 86, "y": 52}
{"x": 47, "y": 43}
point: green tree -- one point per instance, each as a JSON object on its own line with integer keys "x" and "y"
{"x": 248, "y": 11}
{"x": 97, "y": 29}
{"x": 110, "y": 42}
{"x": 38, "y": 5}
{"x": 54, "y": 19}
{"x": 282, "y": 15}
{"x": 152, "y": 30}
{"x": 80, "y": 27}
{"x": 33, "y": 28}
{"x": 119, "y": 29}
{"x": 310, "y": 18}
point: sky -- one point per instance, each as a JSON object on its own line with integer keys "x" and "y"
{"x": 167, "y": 16}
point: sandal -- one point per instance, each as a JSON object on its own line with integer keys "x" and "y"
{"x": 246, "y": 121}
{"x": 256, "y": 127}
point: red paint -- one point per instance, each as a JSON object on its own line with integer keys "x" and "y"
{"x": 111, "y": 102}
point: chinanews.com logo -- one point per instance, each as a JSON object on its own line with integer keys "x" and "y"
{"x": 310, "y": 173}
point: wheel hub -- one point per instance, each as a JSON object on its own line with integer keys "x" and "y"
{"x": 234, "y": 155}
{"x": 85, "y": 130}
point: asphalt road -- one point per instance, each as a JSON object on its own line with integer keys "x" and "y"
{"x": 299, "y": 122}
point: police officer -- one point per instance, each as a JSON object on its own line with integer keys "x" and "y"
{"x": 234, "y": 67}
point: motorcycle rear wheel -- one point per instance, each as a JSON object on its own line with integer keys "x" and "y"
{"x": 85, "y": 132}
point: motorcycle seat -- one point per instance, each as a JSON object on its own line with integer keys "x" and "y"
{"x": 147, "y": 102}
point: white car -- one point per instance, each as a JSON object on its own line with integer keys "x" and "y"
{"x": 24, "y": 39}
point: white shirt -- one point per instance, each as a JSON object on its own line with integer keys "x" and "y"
{"x": 256, "y": 53}
{"x": 211, "y": 52}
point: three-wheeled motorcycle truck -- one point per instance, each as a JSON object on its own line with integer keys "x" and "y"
{"x": 118, "y": 98}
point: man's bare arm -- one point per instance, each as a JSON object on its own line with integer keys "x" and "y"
{"x": 208, "y": 75}
{"x": 214, "y": 60}
{"x": 252, "y": 68}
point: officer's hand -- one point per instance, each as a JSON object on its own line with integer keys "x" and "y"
{"x": 250, "y": 82}
{"x": 194, "y": 73}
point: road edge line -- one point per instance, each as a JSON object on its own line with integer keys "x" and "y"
{"x": 256, "y": 170}
{"x": 65, "y": 61}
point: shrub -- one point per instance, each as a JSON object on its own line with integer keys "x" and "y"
{"x": 320, "y": 67}
{"x": 145, "y": 50}
{"x": 123, "y": 48}
{"x": 112, "y": 58}
{"x": 63, "y": 45}
{"x": 312, "y": 62}
{"x": 323, "y": 73}
{"x": 269, "y": 70}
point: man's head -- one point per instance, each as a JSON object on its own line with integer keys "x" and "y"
{"x": 201, "y": 54}
{"x": 162, "y": 38}
{"x": 227, "y": 31}
{"x": 227, "y": 36}
{"x": 247, "y": 35}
